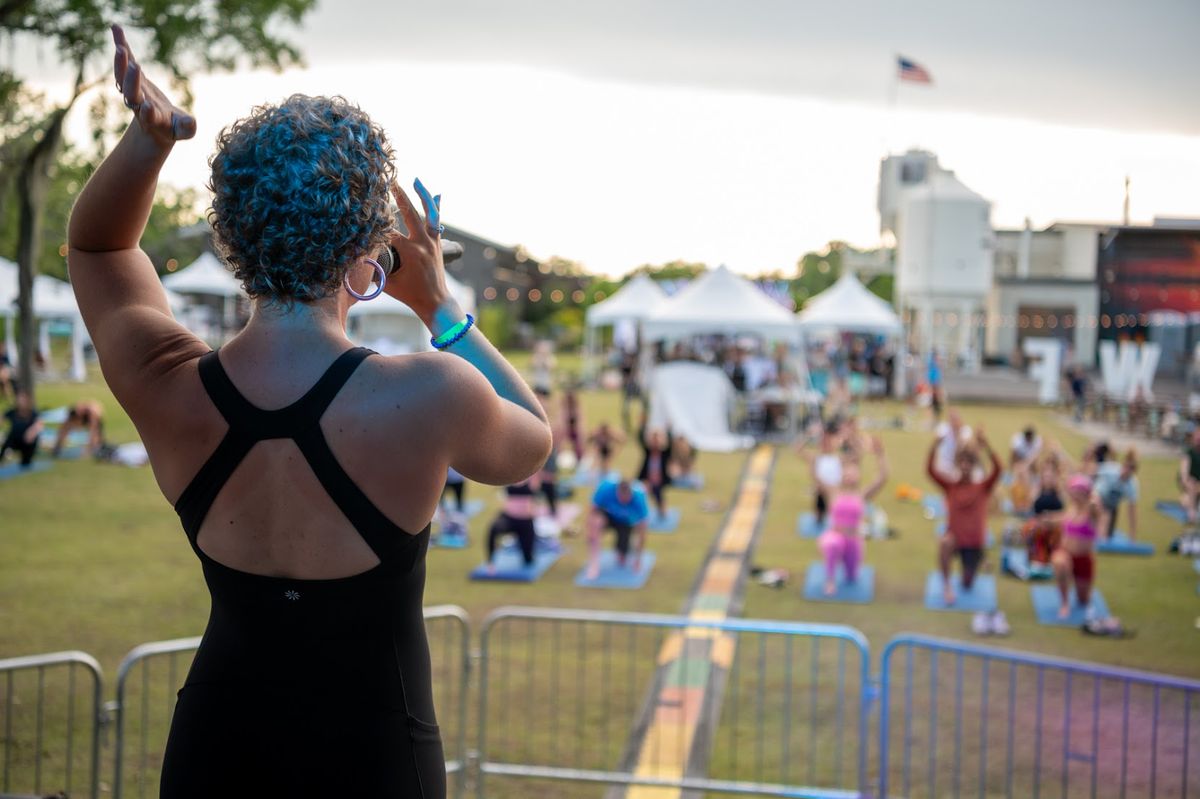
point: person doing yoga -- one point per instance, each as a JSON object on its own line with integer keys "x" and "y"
{"x": 618, "y": 505}
{"x": 87, "y": 415}
{"x": 656, "y": 449}
{"x": 966, "y": 509}
{"x": 516, "y": 517}
{"x": 606, "y": 440}
{"x": 1074, "y": 561}
{"x": 826, "y": 469}
{"x": 843, "y": 541}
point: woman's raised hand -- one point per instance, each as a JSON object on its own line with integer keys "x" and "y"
{"x": 420, "y": 280}
{"x": 158, "y": 116}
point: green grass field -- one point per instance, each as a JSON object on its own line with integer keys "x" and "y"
{"x": 92, "y": 558}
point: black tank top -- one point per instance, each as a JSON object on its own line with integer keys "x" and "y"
{"x": 305, "y": 687}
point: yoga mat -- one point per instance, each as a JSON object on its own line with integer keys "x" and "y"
{"x": 444, "y": 541}
{"x": 1014, "y": 561}
{"x": 934, "y": 506}
{"x": 860, "y": 592}
{"x": 807, "y": 525}
{"x": 615, "y": 576}
{"x": 510, "y": 567}
{"x": 1120, "y": 544}
{"x": 688, "y": 482}
{"x": 1046, "y": 600}
{"x": 663, "y": 524}
{"x": 10, "y": 470}
{"x": 982, "y": 595}
{"x": 1172, "y": 510}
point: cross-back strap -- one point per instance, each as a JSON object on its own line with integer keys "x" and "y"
{"x": 286, "y": 422}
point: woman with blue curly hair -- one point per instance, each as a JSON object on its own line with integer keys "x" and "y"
{"x": 304, "y": 470}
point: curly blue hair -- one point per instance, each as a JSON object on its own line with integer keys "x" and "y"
{"x": 301, "y": 190}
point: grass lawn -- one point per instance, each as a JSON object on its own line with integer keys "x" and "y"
{"x": 92, "y": 558}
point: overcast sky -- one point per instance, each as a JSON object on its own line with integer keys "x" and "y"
{"x": 625, "y": 132}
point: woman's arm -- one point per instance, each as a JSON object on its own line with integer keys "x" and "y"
{"x": 881, "y": 476}
{"x": 120, "y": 296}
{"x": 931, "y": 466}
{"x": 499, "y": 432}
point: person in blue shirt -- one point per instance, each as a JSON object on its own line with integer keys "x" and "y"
{"x": 618, "y": 505}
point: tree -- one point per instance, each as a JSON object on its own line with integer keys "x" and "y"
{"x": 673, "y": 270}
{"x": 183, "y": 37}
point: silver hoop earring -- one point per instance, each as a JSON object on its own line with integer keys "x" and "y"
{"x": 381, "y": 277}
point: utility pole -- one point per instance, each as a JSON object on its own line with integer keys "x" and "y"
{"x": 1126, "y": 214}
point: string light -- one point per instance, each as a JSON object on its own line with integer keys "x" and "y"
{"x": 535, "y": 295}
{"x": 577, "y": 296}
{"x": 599, "y": 295}
{"x": 489, "y": 293}
{"x": 172, "y": 264}
{"x": 512, "y": 294}
{"x": 63, "y": 250}
{"x": 556, "y": 295}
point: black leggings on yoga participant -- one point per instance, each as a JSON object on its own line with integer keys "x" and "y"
{"x": 550, "y": 490}
{"x": 521, "y": 528}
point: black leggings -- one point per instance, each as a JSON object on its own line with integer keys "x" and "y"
{"x": 18, "y": 445}
{"x": 656, "y": 491}
{"x": 550, "y": 489}
{"x": 522, "y": 528}
{"x": 457, "y": 489}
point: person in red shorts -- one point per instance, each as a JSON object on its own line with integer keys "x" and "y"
{"x": 967, "y": 502}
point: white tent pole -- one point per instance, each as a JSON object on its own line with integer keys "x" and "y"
{"x": 78, "y": 369}
{"x": 44, "y": 341}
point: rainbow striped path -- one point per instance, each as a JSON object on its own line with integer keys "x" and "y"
{"x": 692, "y": 665}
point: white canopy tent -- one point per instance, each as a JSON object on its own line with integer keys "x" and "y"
{"x": 207, "y": 277}
{"x": 721, "y": 302}
{"x": 53, "y": 301}
{"x": 624, "y": 311}
{"x": 848, "y": 305}
{"x": 390, "y": 327}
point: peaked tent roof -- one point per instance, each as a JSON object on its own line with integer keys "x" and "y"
{"x": 721, "y": 302}
{"x": 636, "y": 300}
{"x": 205, "y": 275}
{"x": 52, "y": 298}
{"x": 849, "y": 305}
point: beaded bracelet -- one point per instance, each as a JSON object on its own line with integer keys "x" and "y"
{"x": 453, "y": 334}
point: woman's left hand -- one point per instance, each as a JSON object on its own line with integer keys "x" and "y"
{"x": 161, "y": 119}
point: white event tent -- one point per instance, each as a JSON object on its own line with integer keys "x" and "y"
{"x": 624, "y": 311}
{"x": 53, "y": 301}
{"x": 848, "y": 305}
{"x": 207, "y": 277}
{"x": 720, "y": 302}
{"x": 390, "y": 327}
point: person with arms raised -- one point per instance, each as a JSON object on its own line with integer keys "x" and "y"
{"x": 304, "y": 470}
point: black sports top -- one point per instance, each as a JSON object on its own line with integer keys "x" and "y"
{"x": 305, "y": 687}
{"x": 523, "y": 489}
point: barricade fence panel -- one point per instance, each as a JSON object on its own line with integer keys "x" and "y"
{"x": 601, "y": 701}
{"x": 50, "y": 709}
{"x": 962, "y": 720}
{"x": 151, "y": 675}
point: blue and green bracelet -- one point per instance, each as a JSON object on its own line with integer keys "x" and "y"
{"x": 453, "y": 334}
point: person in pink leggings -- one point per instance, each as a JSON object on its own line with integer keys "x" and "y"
{"x": 842, "y": 542}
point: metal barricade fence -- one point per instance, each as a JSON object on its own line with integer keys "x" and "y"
{"x": 963, "y": 720}
{"x": 591, "y": 698}
{"x": 51, "y": 724}
{"x": 151, "y": 674}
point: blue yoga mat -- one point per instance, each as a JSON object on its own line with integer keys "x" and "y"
{"x": 663, "y": 524}
{"x": 1046, "y": 600}
{"x": 934, "y": 506}
{"x": 860, "y": 592}
{"x": 471, "y": 508}
{"x": 613, "y": 575}
{"x": 1172, "y": 510}
{"x": 982, "y": 595}
{"x": 1196, "y": 566}
{"x": 807, "y": 525}
{"x": 688, "y": 482}
{"x": 15, "y": 470}
{"x": 443, "y": 541}
{"x": 511, "y": 568}
{"x": 989, "y": 540}
{"x": 1014, "y": 561}
{"x": 1120, "y": 544}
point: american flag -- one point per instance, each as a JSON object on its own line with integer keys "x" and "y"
{"x": 912, "y": 71}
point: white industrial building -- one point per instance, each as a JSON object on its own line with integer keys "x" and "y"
{"x": 943, "y": 236}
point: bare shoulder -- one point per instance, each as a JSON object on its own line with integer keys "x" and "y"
{"x": 433, "y": 384}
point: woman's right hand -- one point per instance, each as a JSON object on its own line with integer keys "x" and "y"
{"x": 420, "y": 280}
{"x": 157, "y": 116}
